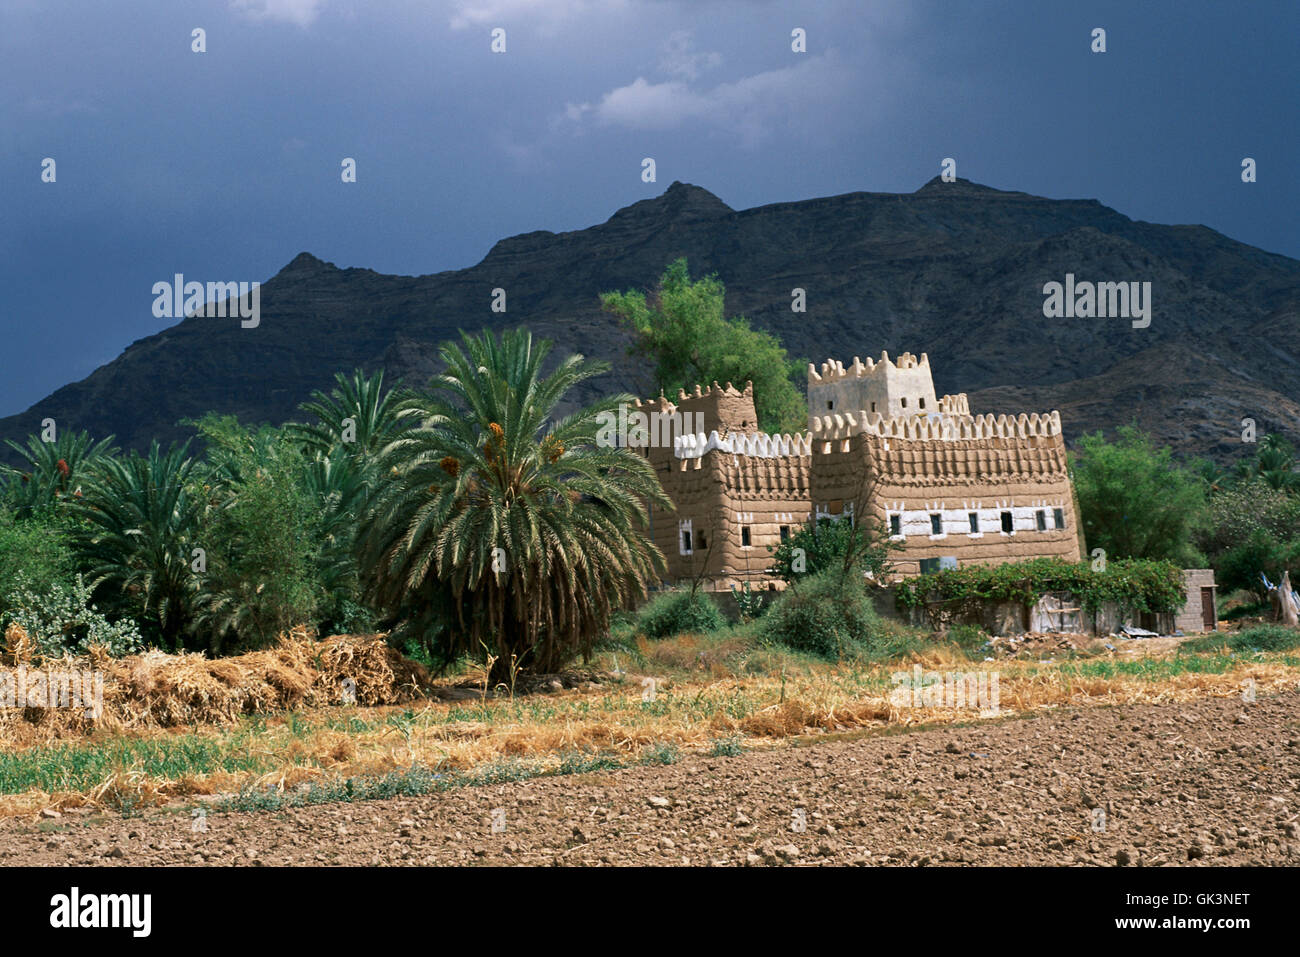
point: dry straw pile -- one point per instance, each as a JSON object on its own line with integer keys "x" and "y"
{"x": 158, "y": 690}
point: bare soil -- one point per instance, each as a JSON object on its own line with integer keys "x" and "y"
{"x": 1210, "y": 782}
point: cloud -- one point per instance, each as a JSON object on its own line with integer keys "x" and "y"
{"x": 681, "y": 62}
{"x": 300, "y": 12}
{"x": 501, "y": 13}
{"x": 751, "y": 108}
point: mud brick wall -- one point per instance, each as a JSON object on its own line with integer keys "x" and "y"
{"x": 1022, "y": 475}
{"x": 719, "y": 494}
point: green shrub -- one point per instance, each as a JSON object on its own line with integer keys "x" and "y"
{"x": 63, "y": 620}
{"x": 968, "y": 637}
{"x": 1266, "y": 638}
{"x": 750, "y": 602}
{"x": 678, "y": 612}
{"x": 827, "y": 615}
{"x": 1136, "y": 585}
{"x": 35, "y": 550}
{"x": 1259, "y": 638}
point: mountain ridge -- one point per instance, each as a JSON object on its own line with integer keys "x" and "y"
{"x": 953, "y": 269}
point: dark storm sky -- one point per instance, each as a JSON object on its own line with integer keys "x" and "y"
{"x": 224, "y": 165}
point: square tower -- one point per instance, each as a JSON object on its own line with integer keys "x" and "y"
{"x": 886, "y": 388}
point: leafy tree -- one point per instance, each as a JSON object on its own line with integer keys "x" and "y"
{"x": 1250, "y": 528}
{"x": 500, "y": 527}
{"x": 139, "y": 523}
{"x": 262, "y": 532}
{"x": 38, "y": 548}
{"x": 681, "y": 330}
{"x": 355, "y": 421}
{"x": 1275, "y": 464}
{"x": 341, "y": 482}
{"x": 1136, "y": 502}
{"x": 824, "y": 545}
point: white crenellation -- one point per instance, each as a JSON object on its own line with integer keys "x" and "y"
{"x": 757, "y": 444}
{"x": 947, "y": 427}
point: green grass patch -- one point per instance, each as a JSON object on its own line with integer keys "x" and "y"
{"x": 1259, "y": 638}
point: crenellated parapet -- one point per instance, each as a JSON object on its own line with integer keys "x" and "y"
{"x": 716, "y": 391}
{"x": 758, "y": 444}
{"x": 833, "y": 370}
{"x": 947, "y": 427}
{"x": 954, "y": 404}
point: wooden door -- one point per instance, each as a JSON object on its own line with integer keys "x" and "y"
{"x": 1208, "y": 616}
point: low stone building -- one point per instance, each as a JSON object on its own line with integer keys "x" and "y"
{"x": 951, "y": 487}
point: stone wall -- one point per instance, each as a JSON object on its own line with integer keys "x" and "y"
{"x": 1189, "y": 620}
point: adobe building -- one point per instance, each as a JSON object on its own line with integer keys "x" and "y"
{"x": 952, "y": 488}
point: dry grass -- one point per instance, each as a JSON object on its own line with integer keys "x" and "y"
{"x": 158, "y": 690}
{"x": 696, "y": 703}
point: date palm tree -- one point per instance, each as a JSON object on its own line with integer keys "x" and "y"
{"x": 54, "y": 471}
{"x": 357, "y": 415}
{"x": 500, "y": 526}
{"x": 139, "y": 519}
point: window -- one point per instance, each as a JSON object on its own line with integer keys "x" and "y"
{"x": 895, "y": 525}
{"x": 929, "y": 566}
{"x": 974, "y": 521}
{"x": 686, "y": 541}
{"x": 1040, "y": 518}
{"x": 785, "y": 533}
{"x": 936, "y": 524}
{"x": 922, "y": 401}
{"x": 703, "y": 543}
{"x": 744, "y": 536}
{"x": 1006, "y": 522}
{"x": 905, "y": 402}
{"x": 830, "y": 404}
{"x": 1058, "y": 517}
{"x": 873, "y": 407}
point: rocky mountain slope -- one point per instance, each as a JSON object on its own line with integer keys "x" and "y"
{"x": 954, "y": 269}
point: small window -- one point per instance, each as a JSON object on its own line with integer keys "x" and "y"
{"x": 1058, "y": 517}
{"x": 974, "y": 521}
{"x": 785, "y": 533}
{"x": 936, "y": 524}
{"x": 905, "y": 402}
{"x": 895, "y": 525}
{"x": 1006, "y": 522}
{"x": 686, "y": 541}
{"x": 922, "y": 401}
{"x": 744, "y": 535}
{"x": 1040, "y": 518}
{"x": 873, "y": 407}
{"x": 703, "y": 543}
{"x": 929, "y": 566}
{"x": 830, "y": 404}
